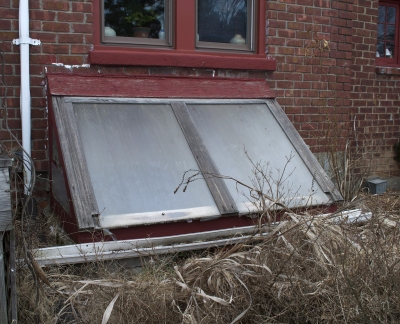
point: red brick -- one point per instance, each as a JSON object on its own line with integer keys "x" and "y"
{"x": 42, "y": 15}
{"x": 89, "y": 18}
{"x": 295, "y": 25}
{"x": 82, "y": 28}
{"x": 295, "y": 42}
{"x": 308, "y": 3}
{"x": 346, "y": 14}
{"x": 44, "y": 37}
{"x": 338, "y": 5}
{"x": 80, "y": 49}
{"x": 56, "y": 27}
{"x": 71, "y": 59}
{"x": 286, "y": 16}
{"x": 5, "y": 24}
{"x": 322, "y": 3}
{"x": 344, "y": 47}
{"x": 82, "y": 7}
{"x": 304, "y": 18}
{"x": 302, "y": 85}
{"x": 295, "y": 9}
{"x": 276, "y": 6}
{"x": 55, "y": 49}
{"x": 8, "y": 35}
{"x": 56, "y": 5}
{"x": 42, "y": 59}
{"x": 276, "y": 41}
{"x": 39, "y": 123}
{"x": 345, "y": 31}
{"x": 89, "y": 39}
{"x": 313, "y": 11}
{"x": 70, "y": 16}
{"x": 339, "y": 22}
{"x": 4, "y": 3}
{"x": 71, "y": 38}
{"x": 286, "y": 33}
{"x": 8, "y": 13}
{"x": 296, "y": 59}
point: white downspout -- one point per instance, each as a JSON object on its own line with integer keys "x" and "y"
{"x": 25, "y": 95}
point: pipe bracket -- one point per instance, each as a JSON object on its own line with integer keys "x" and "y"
{"x": 26, "y": 40}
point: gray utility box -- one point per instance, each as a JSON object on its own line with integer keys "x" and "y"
{"x": 5, "y": 225}
{"x": 5, "y": 196}
{"x": 376, "y": 186}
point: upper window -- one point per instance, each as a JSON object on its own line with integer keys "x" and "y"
{"x": 225, "y": 24}
{"x": 216, "y": 24}
{"x": 387, "y": 49}
{"x": 216, "y": 34}
{"x": 142, "y": 22}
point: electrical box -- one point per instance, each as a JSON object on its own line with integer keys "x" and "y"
{"x": 377, "y": 186}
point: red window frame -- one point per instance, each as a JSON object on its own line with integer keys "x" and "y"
{"x": 183, "y": 52}
{"x": 395, "y": 60}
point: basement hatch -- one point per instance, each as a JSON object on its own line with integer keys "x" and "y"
{"x": 131, "y": 163}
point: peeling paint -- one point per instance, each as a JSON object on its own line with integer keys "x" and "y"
{"x": 71, "y": 66}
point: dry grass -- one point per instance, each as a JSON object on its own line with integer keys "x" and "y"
{"x": 307, "y": 270}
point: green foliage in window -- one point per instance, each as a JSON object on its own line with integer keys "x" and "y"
{"x": 123, "y": 15}
{"x": 141, "y": 18}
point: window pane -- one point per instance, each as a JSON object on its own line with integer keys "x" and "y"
{"x": 231, "y": 130}
{"x": 391, "y": 17}
{"x": 125, "y": 17}
{"x": 136, "y": 156}
{"x": 390, "y": 32}
{"x": 381, "y": 13}
{"x": 380, "y": 49}
{"x": 381, "y": 32}
{"x": 223, "y": 21}
{"x": 389, "y": 50}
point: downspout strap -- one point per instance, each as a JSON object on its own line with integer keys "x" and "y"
{"x": 26, "y": 40}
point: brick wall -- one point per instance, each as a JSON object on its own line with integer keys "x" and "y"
{"x": 320, "y": 90}
{"x": 65, "y": 30}
{"x": 312, "y": 81}
{"x": 341, "y": 82}
{"x": 375, "y": 93}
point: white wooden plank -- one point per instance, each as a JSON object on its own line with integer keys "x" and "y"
{"x": 114, "y": 250}
{"x": 5, "y": 201}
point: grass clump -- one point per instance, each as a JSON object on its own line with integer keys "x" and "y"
{"x": 305, "y": 270}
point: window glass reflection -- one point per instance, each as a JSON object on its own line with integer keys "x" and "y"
{"x": 389, "y": 50}
{"x": 380, "y": 49}
{"x": 391, "y": 15}
{"x": 390, "y": 32}
{"x": 381, "y": 13}
{"x": 125, "y": 17}
{"x": 222, "y": 21}
{"x": 386, "y": 31}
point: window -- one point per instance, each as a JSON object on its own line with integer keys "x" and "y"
{"x": 140, "y": 22}
{"x": 387, "y": 48}
{"x": 125, "y": 157}
{"x": 226, "y": 24}
{"x": 188, "y": 33}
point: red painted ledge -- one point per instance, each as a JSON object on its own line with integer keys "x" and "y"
{"x": 181, "y": 59}
{"x": 155, "y": 86}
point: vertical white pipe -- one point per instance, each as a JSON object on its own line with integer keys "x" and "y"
{"x": 25, "y": 95}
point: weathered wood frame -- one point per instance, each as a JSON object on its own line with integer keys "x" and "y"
{"x": 80, "y": 187}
